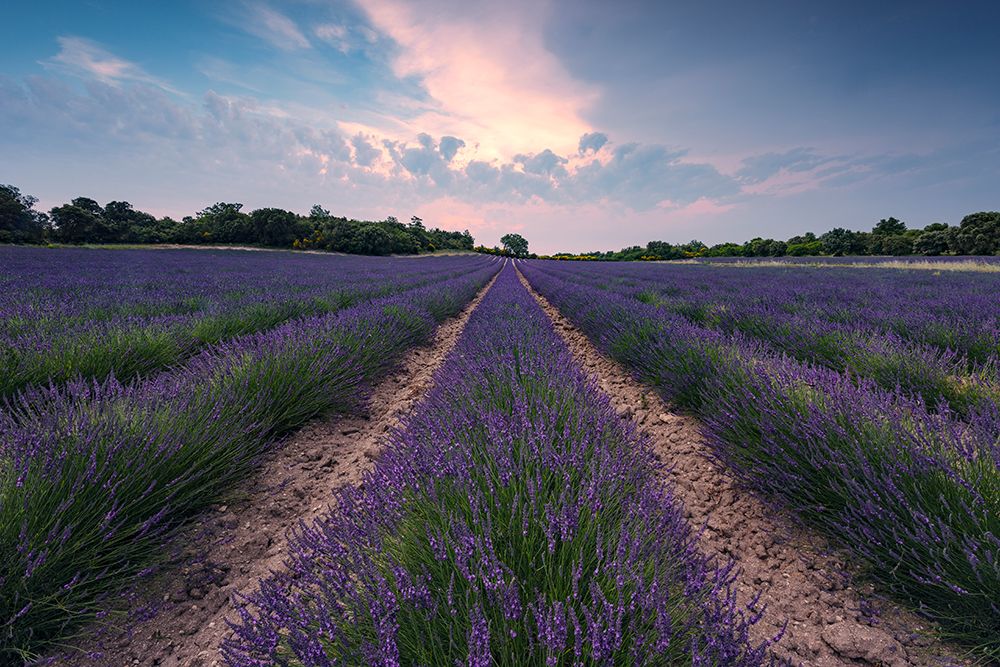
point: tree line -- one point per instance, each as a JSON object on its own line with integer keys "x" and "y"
{"x": 976, "y": 234}
{"x": 83, "y": 220}
{"x": 514, "y": 245}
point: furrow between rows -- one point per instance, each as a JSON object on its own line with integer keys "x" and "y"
{"x": 184, "y": 614}
{"x": 801, "y": 581}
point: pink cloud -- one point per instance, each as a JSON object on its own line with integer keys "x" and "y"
{"x": 491, "y": 78}
{"x": 83, "y": 57}
{"x": 601, "y": 225}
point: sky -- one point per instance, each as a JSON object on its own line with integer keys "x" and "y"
{"x": 580, "y": 124}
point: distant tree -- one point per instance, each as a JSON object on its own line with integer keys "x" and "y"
{"x": 775, "y": 248}
{"x": 19, "y": 222}
{"x": 166, "y": 230}
{"x": 933, "y": 242}
{"x": 890, "y": 244}
{"x": 317, "y": 212}
{"x": 371, "y": 239}
{"x": 515, "y": 244}
{"x": 693, "y": 248}
{"x": 80, "y": 221}
{"x": 898, "y": 244}
{"x": 275, "y": 227}
{"x": 663, "y": 250}
{"x": 977, "y": 234}
{"x": 419, "y": 233}
{"x": 889, "y": 227}
{"x": 127, "y": 225}
{"x": 808, "y": 237}
{"x": 226, "y": 223}
{"x": 724, "y": 250}
{"x": 754, "y": 247}
{"x": 840, "y": 241}
{"x": 805, "y": 249}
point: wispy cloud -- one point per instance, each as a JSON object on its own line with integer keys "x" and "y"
{"x": 273, "y": 27}
{"x": 333, "y": 34}
{"x": 88, "y": 59}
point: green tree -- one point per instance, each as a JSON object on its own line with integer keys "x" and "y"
{"x": 977, "y": 234}
{"x": 775, "y": 248}
{"x": 807, "y": 248}
{"x": 663, "y": 250}
{"x": 724, "y": 250}
{"x": 371, "y": 239}
{"x": 515, "y": 244}
{"x": 839, "y": 242}
{"x": 808, "y": 237}
{"x": 80, "y": 221}
{"x": 889, "y": 227}
{"x": 226, "y": 223}
{"x": 127, "y": 225}
{"x": 931, "y": 243}
{"x": 693, "y": 248}
{"x": 317, "y": 212}
{"x": 19, "y": 222}
{"x": 275, "y": 227}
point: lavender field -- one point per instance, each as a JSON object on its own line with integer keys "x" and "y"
{"x": 517, "y": 513}
{"x": 142, "y": 384}
{"x": 865, "y": 401}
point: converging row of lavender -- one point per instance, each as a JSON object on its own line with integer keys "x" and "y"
{"x": 95, "y": 475}
{"x": 933, "y": 336}
{"x": 515, "y": 519}
{"x": 68, "y": 313}
{"x": 910, "y": 488}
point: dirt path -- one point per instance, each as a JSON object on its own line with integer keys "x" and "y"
{"x": 232, "y": 548}
{"x": 829, "y": 621}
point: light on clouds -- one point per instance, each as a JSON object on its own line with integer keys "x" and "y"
{"x": 579, "y": 125}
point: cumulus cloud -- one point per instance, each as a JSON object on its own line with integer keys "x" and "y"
{"x": 481, "y": 172}
{"x": 449, "y": 147}
{"x": 259, "y": 145}
{"x": 758, "y": 168}
{"x": 251, "y": 132}
{"x": 365, "y": 153}
{"x": 546, "y": 163}
{"x": 592, "y": 142}
{"x": 645, "y": 174}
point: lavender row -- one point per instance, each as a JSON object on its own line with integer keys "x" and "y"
{"x": 955, "y": 310}
{"x": 66, "y": 287}
{"x": 94, "y": 313}
{"x": 94, "y": 475}
{"x": 912, "y": 493}
{"x": 860, "y": 259}
{"x": 515, "y": 520}
{"x": 783, "y": 319}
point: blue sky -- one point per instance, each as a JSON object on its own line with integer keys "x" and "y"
{"x": 580, "y": 124}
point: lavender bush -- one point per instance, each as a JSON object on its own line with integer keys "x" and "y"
{"x": 80, "y": 313}
{"x": 94, "y": 475}
{"x": 912, "y": 492}
{"x": 515, "y": 520}
{"x": 858, "y": 323}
